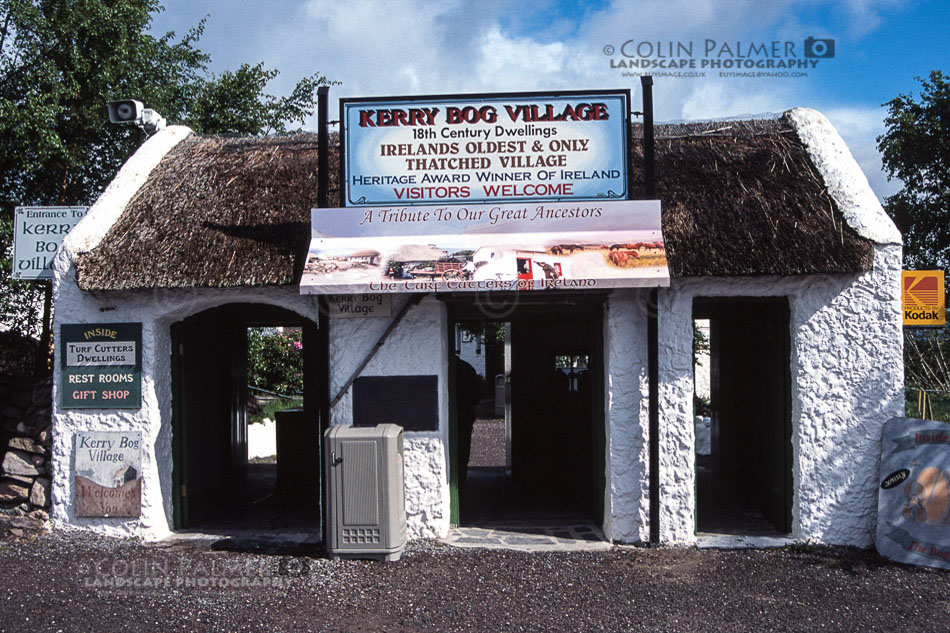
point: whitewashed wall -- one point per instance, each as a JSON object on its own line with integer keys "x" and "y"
{"x": 847, "y": 374}
{"x": 627, "y": 502}
{"x": 417, "y": 347}
{"x": 157, "y": 311}
{"x": 847, "y": 380}
{"x": 846, "y": 368}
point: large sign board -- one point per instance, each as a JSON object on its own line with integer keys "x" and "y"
{"x": 101, "y": 365}
{"x": 37, "y": 234}
{"x": 108, "y": 474}
{"x": 452, "y": 248}
{"x": 485, "y": 148}
{"x": 924, "y": 299}
{"x": 913, "y": 520}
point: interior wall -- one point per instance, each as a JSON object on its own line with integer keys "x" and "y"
{"x": 208, "y": 390}
{"x": 847, "y": 380}
{"x": 749, "y": 341}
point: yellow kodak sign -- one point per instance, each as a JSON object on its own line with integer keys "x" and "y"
{"x": 924, "y": 299}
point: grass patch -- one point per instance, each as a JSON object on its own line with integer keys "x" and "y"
{"x": 271, "y": 407}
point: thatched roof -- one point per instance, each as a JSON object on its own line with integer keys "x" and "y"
{"x": 738, "y": 198}
{"x": 216, "y": 212}
{"x": 743, "y": 198}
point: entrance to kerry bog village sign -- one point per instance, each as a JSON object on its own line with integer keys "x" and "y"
{"x": 38, "y": 232}
{"x": 37, "y": 235}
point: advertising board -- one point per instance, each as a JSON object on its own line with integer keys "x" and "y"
{"x": 485, "y": 148}
{"x": 511, "y": 247}
{"x": 101, "y": 365}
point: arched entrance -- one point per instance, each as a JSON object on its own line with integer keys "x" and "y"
{"x": 554, "y": 470}
{"x": 215, "y": 485}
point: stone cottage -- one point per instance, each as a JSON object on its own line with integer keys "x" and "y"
{"x": 772, "y": 234}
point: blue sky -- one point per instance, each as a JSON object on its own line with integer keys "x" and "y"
{"x": 402, "y": 47}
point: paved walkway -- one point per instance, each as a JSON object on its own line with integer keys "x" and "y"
{"x": 530, "y": 538}
{"x": 737, "y": 541}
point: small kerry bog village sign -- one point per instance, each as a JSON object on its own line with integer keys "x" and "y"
{"x": 108, "y": 474}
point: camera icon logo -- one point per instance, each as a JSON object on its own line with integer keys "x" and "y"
{"x": 819, "y": 48}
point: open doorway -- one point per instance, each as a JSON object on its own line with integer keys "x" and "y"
{"x": 743, "y": 429}
{"x": 534, "y": 452}
{"x": 246, "y": 456}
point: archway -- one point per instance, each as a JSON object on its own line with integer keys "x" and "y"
{"x": 554, "y": 418}
{"x": 215, "y": 485}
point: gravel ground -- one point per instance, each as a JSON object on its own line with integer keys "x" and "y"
{"x": 488, "y": 443}
{"x": 60, "y": 581}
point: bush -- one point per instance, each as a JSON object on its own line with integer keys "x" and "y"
{"x": 275, "y": 360}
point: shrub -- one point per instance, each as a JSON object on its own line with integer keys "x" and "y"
{"x": 275, "y": 359}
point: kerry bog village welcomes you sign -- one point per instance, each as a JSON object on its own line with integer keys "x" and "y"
{"x": 108, "y": 474}
{"x": 485, "y": 148}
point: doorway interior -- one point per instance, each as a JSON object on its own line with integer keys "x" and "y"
{"x": 534, "y": 453}
{"x": 219, "y": 483}
{"x": 743, "y": 417}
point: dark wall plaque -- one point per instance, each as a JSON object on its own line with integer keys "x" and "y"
{"x": 101, "y": 365}
{"x": 412, "y": 402}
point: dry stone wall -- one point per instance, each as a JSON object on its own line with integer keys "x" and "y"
{"x": 25, "y": 470}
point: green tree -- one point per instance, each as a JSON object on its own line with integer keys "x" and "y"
{"x": 61, "y": 61}
{"x": 915, "y": 148}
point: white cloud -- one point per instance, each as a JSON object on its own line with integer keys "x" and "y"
{"x": 446, "y": 46}
{"x": 866, "y": 14}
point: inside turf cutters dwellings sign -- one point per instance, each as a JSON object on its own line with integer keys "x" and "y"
{"x": 485, "y": 148}
{"x": 101, "y": 366}
{"x": 450, "y": 248}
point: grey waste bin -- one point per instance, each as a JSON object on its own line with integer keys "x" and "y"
{"x": 366, "y": 499}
